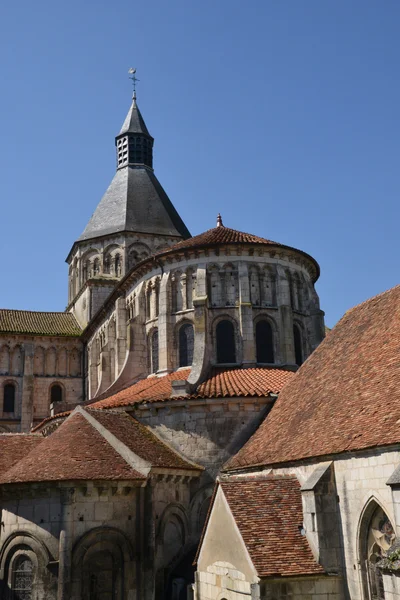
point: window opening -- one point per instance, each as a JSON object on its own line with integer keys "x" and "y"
{"x": 264, "y": 342}
{"x": 56, "y": 393}
{"x": 9, "y": 398}
{"x": 154, "y": 352}
{"x": 22, "y": 578}
{"x": 186, "y": 345}
{"x": 225, "y": 334}
{"x": 298, "y": 345}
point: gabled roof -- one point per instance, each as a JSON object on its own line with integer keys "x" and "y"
{"x": 135, "y": 201}
{"x": 268, "y": 512}
{"x": 39, "y": 323}
{"x": 345, "y": 397}
{"x": 142, "y": 441}
{"x": 75, "y": 451}
{"x": 15, "y": 446}
{"x": 97, "y": 445}
{"x": 134, "y": 122}
{"x": 222, "y": 383}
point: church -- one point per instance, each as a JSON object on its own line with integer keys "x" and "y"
{"x": 159, "y": 440}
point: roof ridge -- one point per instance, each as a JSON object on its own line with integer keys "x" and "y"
{"x": 135, "y": 461}
{"x": 43, "y": 312}
{"x": 368, "y": 301}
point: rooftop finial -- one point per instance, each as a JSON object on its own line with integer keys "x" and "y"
{"x": 132, "y": 73}
{"x": 219, "y": 221}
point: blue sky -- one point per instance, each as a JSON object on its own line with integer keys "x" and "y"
{"x": 282, "y": 115}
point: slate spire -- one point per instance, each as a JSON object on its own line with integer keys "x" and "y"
{"x": 135, "y": 200}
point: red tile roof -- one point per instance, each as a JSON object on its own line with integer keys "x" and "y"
{"x": 225, "y": 235}
{"x": 15, "y": 446}
{"x": 220, "y": 235}
{"x": 141, "y": 440}
{"x": 268, "y": 512}
{"x": 75, "y": 451}
{"x": 222, "y": 383}
{"x": 345, "y": 397}
{"x": 39, "y": 323}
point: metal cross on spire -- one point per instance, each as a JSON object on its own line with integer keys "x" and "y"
{"x": 132, "y": 73}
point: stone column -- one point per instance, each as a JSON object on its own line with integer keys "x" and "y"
{"x": 165, "y": 342}
{"x": 121, "y": 319}
{"x": 27, "y": 391}
{"x": 285, "y": 318}
{"x": 246, "y": 317}
{"x": 201, "y": 354}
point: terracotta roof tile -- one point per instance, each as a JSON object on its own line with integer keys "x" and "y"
{"x": 75, "y": 451}
{"x": 38, "y": 323}
{"x": 15, "y": 446}
{"x": 345, "y": 397}
{"x": 222, "y": 383}
{"x": 221, "y": 235}
{"x": 268, "y": 512}
{"x": 138, "y": 438}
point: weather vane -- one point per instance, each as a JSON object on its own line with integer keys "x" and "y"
{"x": 132, "y": 73}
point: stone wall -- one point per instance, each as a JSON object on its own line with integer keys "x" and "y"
{"x": 204, "y": 291}
{"x": 34, "y": 365}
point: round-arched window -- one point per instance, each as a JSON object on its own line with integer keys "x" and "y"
{"x": 9, "y": 398}
{"x": 186, "y": 345}
{"x": 264, "y": 342}
{"x": 225, "y": 334}
{"x": 22, "y": 578}
{"x": 154, "y": 351}
{"x": 298, "y": 345}
{"x": 56, "y": 393}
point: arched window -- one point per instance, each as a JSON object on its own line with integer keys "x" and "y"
{"x": 264, "y": 342}
{"x": 186, "y": 345}
{"x": 225, "y": 334}
{"x": 154, "y": 352}
{"x": 9, "y": 398}
{"x": 22, "y": 578}
{"x": 298, "y": 345}
{"x": 376, "y": 537}
{"x": 56, "y": 394}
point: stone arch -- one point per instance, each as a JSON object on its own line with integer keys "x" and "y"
{"x": 108, "y": 258}
{"x": 266, "y": 339}
{"x": 62, "y": 358}
{"x": 39, "y": 361}
{"x": 9, "y": 399}
{"x": 268, "y": 286}
{"x": 226, "y": 340}
{"x": 172, "y": 533}
{"x": 4, "y": 359}
{"x": 198, "y": 509}
{"x": 16, "y": 360}
{"x": 299, "y": 342}
{"x": 102, "y": 557}
{"x": 87, "y": 263}
{"x": 137, "y": 252}
{"x": 57, "y": 392}
{"x": 184, "y": 341}
{"x": 214, "y": 285}
{"x": 24, "y": 543}
{"x": 75, "y": 358}
{"x": 153, "y": 349}
{"x": 51, "y": 361}
{"x": 255, "y": 287}
{"x": 230, "y": 284}
{"x": 375, "y": 535}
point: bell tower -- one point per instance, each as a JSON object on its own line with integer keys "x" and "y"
{"x": 134, "y": 219}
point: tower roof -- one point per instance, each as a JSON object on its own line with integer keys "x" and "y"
{"x": 134, "y": 122}
{"x": 135, "y": 201}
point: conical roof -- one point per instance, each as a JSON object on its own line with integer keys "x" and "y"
{"x": 134, "y": 122}
{"x": 135, "y": 201}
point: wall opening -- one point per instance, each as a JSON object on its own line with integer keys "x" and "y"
{"x": 9, "y": 398}
{"x": 186, "y": 345}
{"x": 264, "y": 342}
{"x": 298, "y": 345}
{"x": 225, "y": 334}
